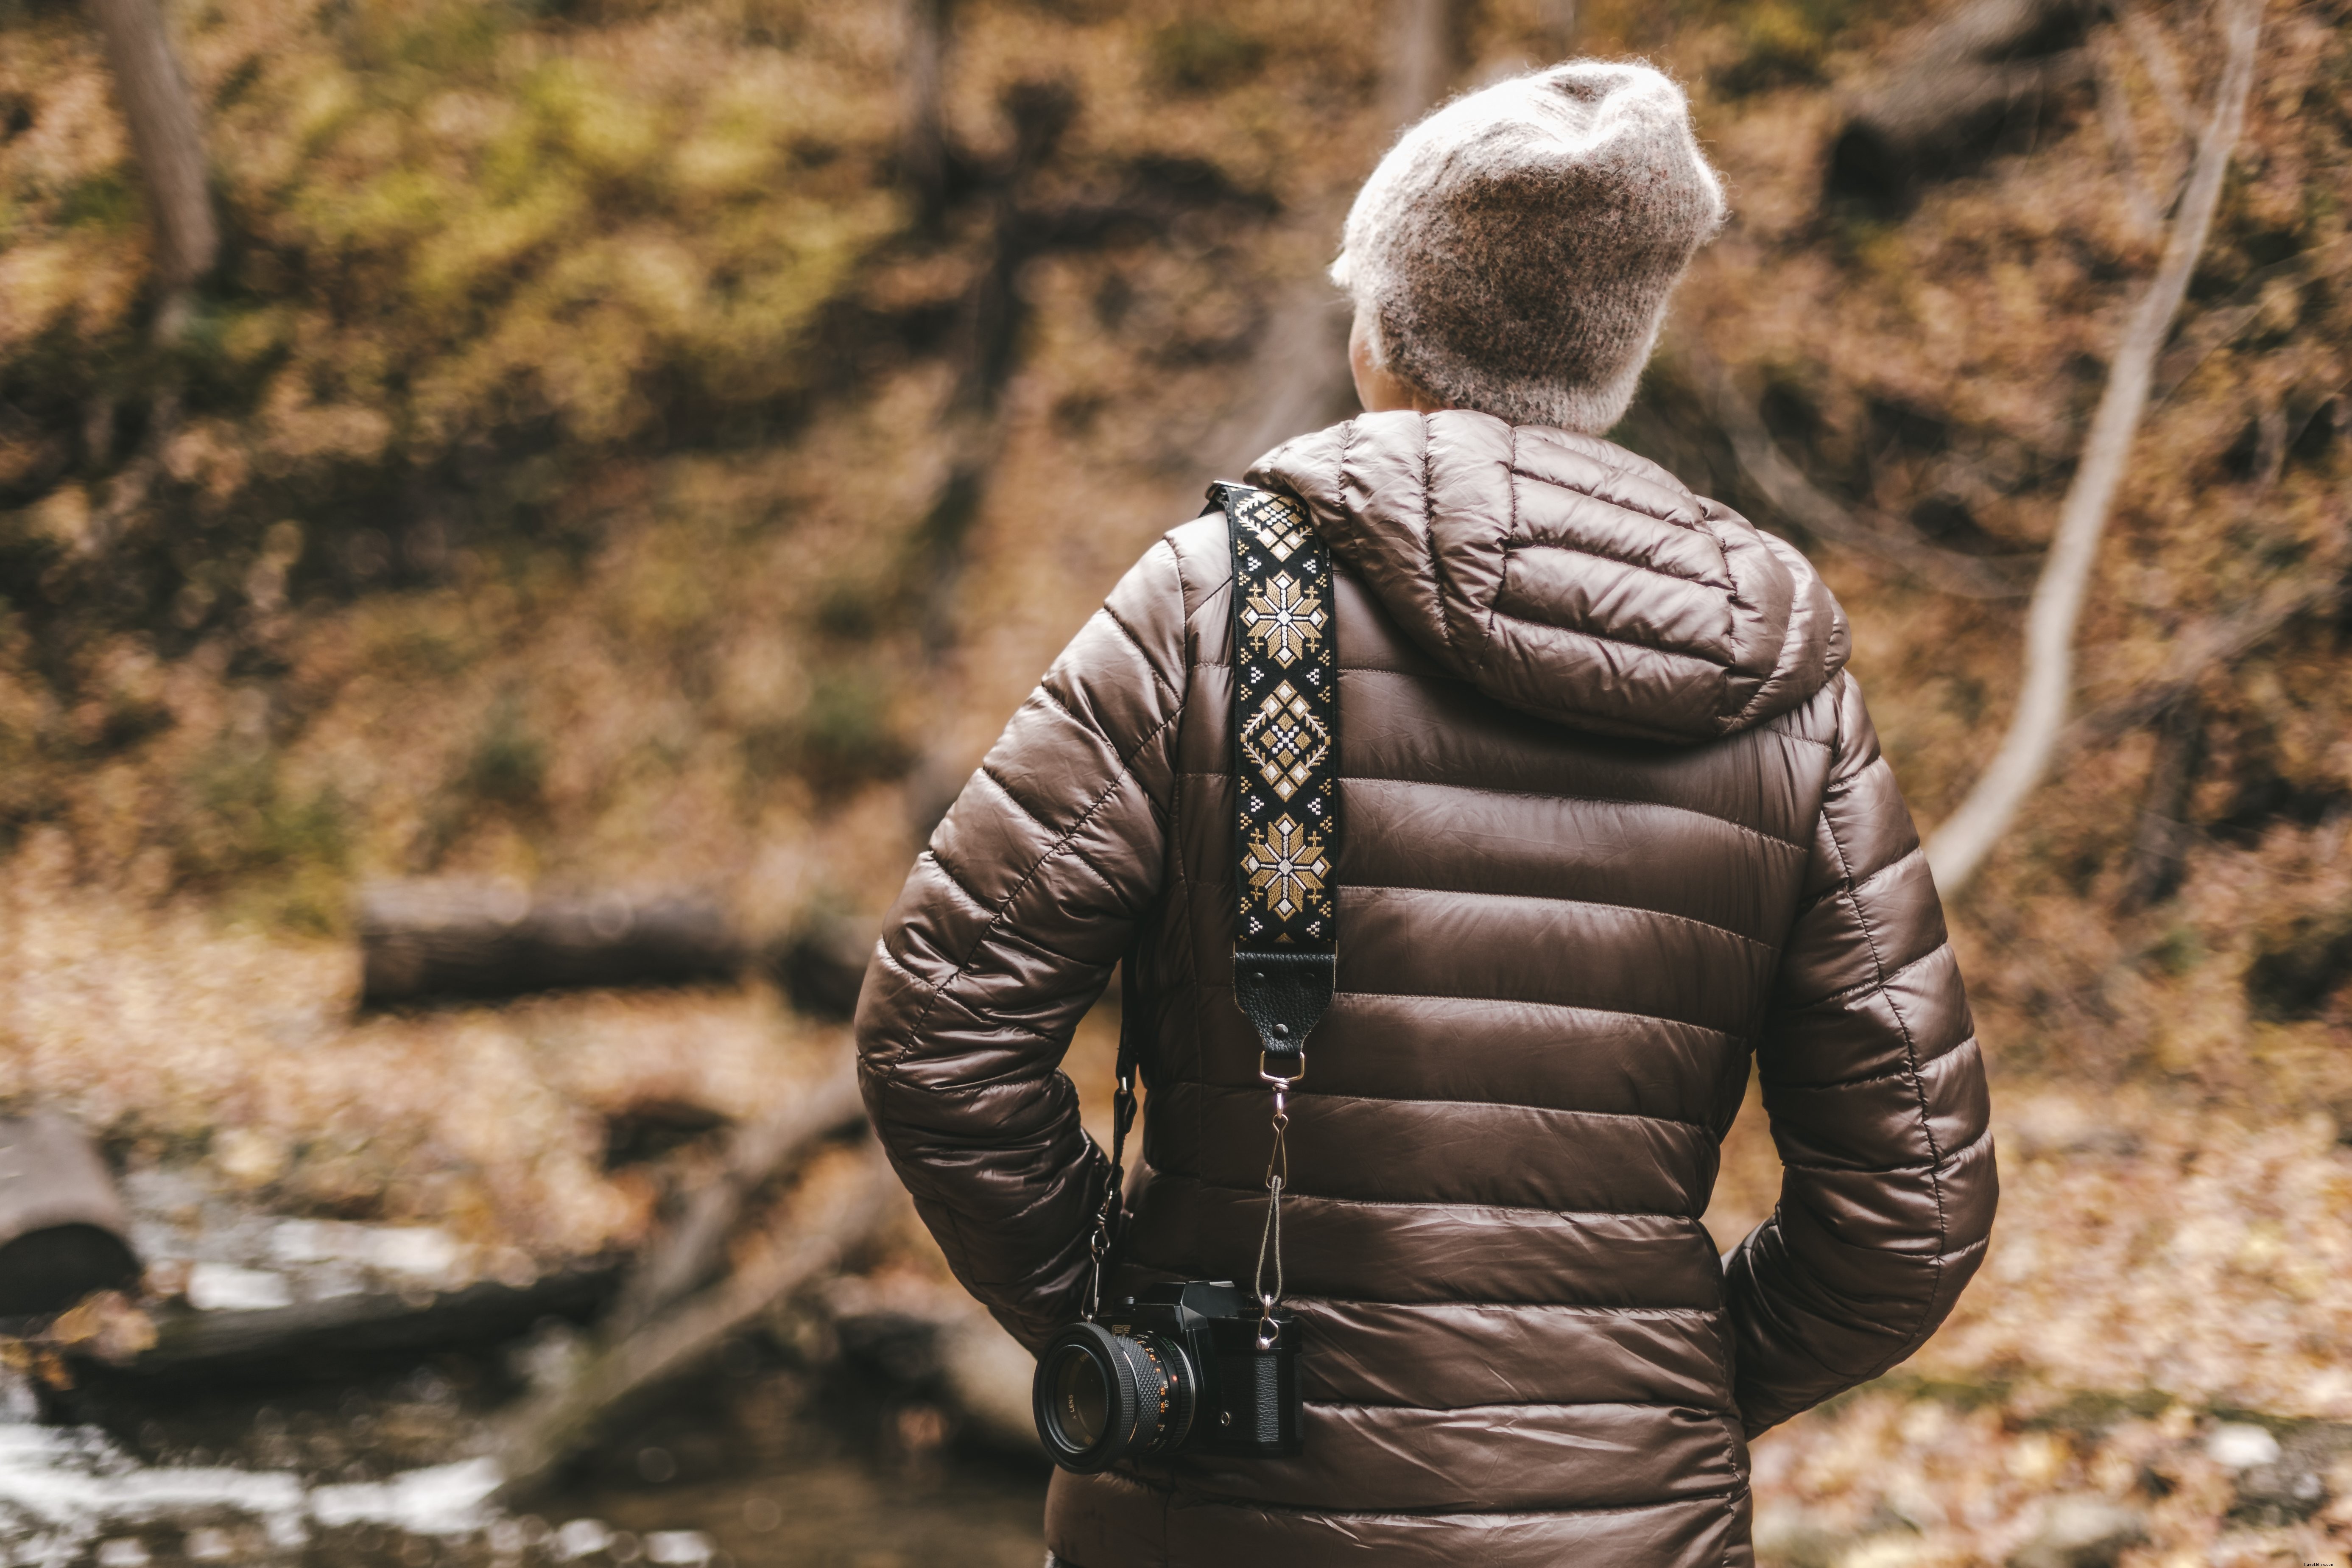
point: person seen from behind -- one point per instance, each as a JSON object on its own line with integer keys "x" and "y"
{"x": 1612, "y": 823}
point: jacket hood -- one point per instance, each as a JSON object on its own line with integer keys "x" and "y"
{"x": 1565, "y": 576}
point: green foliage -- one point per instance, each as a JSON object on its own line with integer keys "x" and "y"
{"x": 508, "y": 765}
{"x": 1782, "y": 43}
{"x": 453, "y": 234}
{"x": 285, "y": 851}
{"x": 845, "y": 734}
{"x": 1202, "y": 54}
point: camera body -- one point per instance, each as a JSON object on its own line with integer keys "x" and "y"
{"x": 1174, "y": 1368}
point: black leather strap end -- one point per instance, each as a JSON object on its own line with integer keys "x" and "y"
{"x": 1284, "y": 994}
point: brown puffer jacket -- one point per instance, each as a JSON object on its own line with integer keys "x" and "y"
{"x": 1614, "y": 820}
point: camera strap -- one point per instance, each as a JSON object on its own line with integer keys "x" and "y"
{"x": 1286, "y": 673}
{"x": 1286, "y": 718}
{"x": 1122, "y": 1121}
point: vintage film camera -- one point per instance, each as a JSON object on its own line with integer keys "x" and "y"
{"x": 1177, "y": 1368}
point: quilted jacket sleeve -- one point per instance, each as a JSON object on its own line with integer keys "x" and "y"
{"x": 1876, "y": 1090}
{"x": 1005, "y": 934}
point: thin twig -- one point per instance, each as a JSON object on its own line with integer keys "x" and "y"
{"x": 1803, "y": 504}
{"x": 1960, "y": 844}
{"x": 2219, "y": 644}
{"x": 550, "y": 1429}
{"x": 2123, "y": 141}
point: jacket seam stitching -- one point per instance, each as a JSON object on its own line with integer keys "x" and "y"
{"x": 1871, "y": 1077}
{"x": 1516, "y": 542}
{"x": 1428, "y": 536}
{"x": 1301, "y": 1196}
{"x": 1681, "y": 1404}
{"x": 1580, "y": 903}
{"x": 1919, "y": 1086}
{"x": 1326, "y": 1298}
{"x": 1884, "y": 978}
{"x": 1128, "y": 633}
{"x": 1722, "y": 666}
{"x": 1518, "y": 1002}
{"x": 1607, "y": 500}
{"x": 972, "y": 955}
{"x": 1563, "y": 800}
{"x": 1258, "y": 1094}
{"x": 1080, "y": 856}
{"x": 955, "y": 879}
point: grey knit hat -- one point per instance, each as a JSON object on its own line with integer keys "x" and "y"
{"x": 1515, "y": 250}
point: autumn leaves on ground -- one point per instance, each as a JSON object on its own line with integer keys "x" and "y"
{"x": 609, "y": 455}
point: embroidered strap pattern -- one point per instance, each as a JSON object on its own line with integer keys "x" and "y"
{"x": 1286, "y": 723}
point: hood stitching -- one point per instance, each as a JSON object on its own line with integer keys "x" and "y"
{"x": 1696, "y": 658}
{"x": 1626, "y": 505}
{"x": 1429, "y": 540}
{"x": 1511, "y": 493}
{"x": 1688, "y": 512}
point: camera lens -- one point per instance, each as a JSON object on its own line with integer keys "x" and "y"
{"x": 1099, "y": 1397}
{"x": 1081, "y": 1400}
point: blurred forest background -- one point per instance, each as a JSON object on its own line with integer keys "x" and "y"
{"x": 651, "y": 444}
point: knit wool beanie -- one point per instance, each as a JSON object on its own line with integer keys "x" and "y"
{"x": 1516, "y": 248}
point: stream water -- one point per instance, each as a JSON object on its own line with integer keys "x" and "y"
{"x": 758, "y": 1464}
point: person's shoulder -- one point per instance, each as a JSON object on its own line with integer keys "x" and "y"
{"x": 1202, "y": 548}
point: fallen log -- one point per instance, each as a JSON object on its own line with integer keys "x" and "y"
{"x": 1956, "y": 88}
{"x": 424, "y": 940}
{"x": 823, "y": 967}
{"x": 195, "y": 1346}
{"x": 551, "y": 1427}
{"x": 64, "y": 1233}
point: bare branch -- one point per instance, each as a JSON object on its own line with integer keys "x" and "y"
{"x": 1960, "y": 844}
{"x": 2160, "y": 841}
{"x": 1801, "y": 502}
{"x": 553, "y": 1427}
{"x": 761, "y": 1152}
{"x": 2148, "y": 42}
{"x": 2123, "y": 141}
{"x": 922, "y": 135}
{"x": 2217, "y": 644}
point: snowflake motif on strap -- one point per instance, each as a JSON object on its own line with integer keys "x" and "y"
{"x": 1285, "y": 741}
{"x": 1284, "y": 619}
{"x": 1286, "y": 864}
{"x": 1278, "y": 522}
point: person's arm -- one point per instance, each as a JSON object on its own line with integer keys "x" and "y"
{"x": 1875, "y": 1086}
{"x": 1008, "y": 927}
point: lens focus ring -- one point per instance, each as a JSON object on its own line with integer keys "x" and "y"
{"x": 1099, "y": 1397}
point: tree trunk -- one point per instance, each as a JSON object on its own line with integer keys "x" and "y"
{"x": 922, "y": 133}
{"x": 167, "y": 133}
{"x": 1301, "y": 363}
{"x": 2160, "y": 843}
